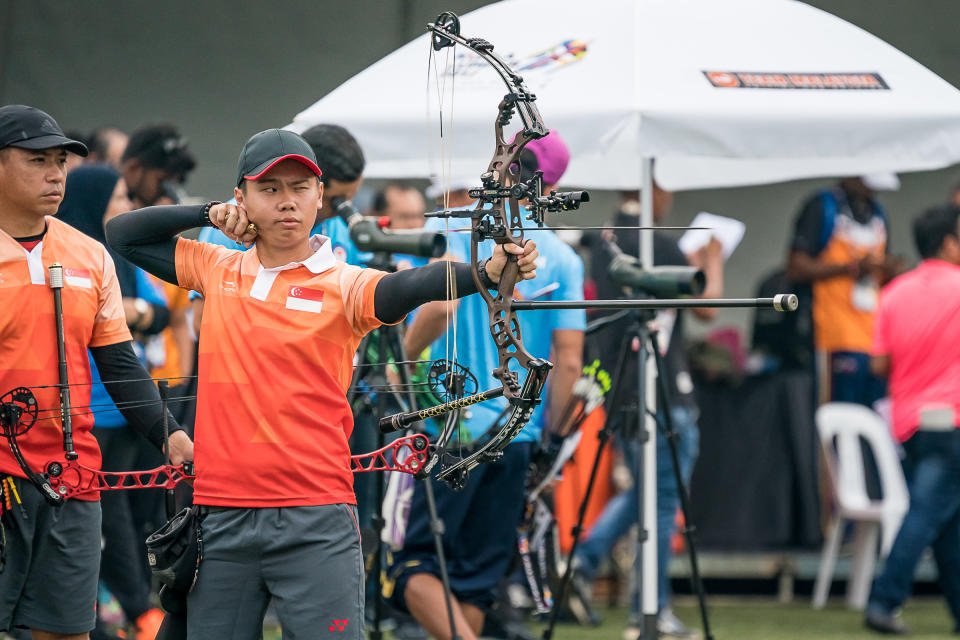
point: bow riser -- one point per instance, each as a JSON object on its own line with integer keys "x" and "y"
{"x": 503, "y": 172}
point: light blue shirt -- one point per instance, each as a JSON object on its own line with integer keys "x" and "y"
{"x": 559, "y": 277}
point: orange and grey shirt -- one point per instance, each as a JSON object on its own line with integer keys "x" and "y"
{"x": 92, "y": 317}
{"x": 275, "y": 361}
{"x": 843, "y": 307}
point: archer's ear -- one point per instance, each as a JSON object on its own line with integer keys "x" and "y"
{"x": 238, "y": 195}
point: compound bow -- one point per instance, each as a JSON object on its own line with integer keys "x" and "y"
{"x": 498, "y": 216}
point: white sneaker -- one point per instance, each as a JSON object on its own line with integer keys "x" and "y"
{"x": 670, "y": 626}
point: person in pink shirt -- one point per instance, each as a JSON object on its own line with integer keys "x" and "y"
{"x": 917, "y": 346}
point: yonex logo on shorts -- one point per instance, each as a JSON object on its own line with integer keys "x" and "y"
{"x": 339, "y": 625}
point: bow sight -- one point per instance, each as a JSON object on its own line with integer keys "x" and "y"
{"x": 530, "y": 190}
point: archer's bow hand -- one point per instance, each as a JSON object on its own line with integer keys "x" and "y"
{"x": 526, "y": 259}
{"x": 181, "y": 448}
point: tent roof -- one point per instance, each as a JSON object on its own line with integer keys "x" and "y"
{"x": 633, "y": 78}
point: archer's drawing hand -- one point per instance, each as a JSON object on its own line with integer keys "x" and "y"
{"x": 232, "y": 220}
{"x": 526, "y": 258}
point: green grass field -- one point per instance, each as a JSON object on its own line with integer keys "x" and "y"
{"x": 764, "y": 619}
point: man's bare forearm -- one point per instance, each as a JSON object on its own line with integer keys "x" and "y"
{"x": 568, "y": 366}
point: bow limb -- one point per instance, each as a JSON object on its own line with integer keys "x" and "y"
{"x": 71, "y": 479}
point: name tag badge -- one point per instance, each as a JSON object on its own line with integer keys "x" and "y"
{"x": 303, "y": 299}
{"x": 865, "y": 295}
{"x": 77, "y": 278}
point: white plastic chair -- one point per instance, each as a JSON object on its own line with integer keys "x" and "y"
{"x": 841, "y": 426}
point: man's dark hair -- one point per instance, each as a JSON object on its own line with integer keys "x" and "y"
{"x": 160, "y": 146}
{"x": 338, "y": 154}
{"x": 99, "y": 140}
{"x": 380, "y": 203}
{"x": 933, "y": 226}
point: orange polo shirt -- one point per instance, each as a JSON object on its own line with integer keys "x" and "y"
{"x": 92, "y": 317}
{"x": 275, "y": 361}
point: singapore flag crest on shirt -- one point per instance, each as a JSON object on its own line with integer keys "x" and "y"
{"x": 77, "y": 277}
{"x": 303, "y": 299}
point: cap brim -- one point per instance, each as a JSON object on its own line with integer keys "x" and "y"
{"x": 262, "y": 168}
{"x": 881, "y": 181}
{"x": 49, "y": 142}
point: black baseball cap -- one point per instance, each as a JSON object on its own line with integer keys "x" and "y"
{"x": 30, "y": 128}
{"x": 267, "y": 148}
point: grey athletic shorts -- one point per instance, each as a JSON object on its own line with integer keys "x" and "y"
{"x": 53, "y": 563}
{"x": 306, "y": 559}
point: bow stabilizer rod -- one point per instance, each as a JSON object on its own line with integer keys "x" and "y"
{"x": 56, "y": 284}
{"x": 785, "y": 302}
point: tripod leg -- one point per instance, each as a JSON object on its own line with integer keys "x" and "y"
{"x": 376, "y": 633}
{"x": 603, "y": 436}
{"x": 688, "y": 529}
{"x": 436, "y": 526}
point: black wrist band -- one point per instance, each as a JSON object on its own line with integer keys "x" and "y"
{"x": 205, "y": 213}
{"x": 485, "y": 278}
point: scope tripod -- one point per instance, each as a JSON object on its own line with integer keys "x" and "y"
{"x": 646, "y": 340}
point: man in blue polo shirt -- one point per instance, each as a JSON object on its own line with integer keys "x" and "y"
{"x": 480, "y": 521}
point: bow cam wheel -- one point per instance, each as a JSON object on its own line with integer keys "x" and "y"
{"x": 18, "y": 411}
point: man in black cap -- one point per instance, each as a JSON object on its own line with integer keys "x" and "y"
{"x": 280, "y": 330}
{"x": 156, "y": 157}
{"x": 55, "y": 550}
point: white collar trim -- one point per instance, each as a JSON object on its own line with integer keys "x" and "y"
{"x": 321, "y": 260}
{"x": 318, "y": 262}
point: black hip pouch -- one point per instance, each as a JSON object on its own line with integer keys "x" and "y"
{"x": 175, "y": 551}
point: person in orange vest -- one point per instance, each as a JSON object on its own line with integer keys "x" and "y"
{"x": 839, "y": 249}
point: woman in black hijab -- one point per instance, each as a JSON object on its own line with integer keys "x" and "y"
{"x": 94, "y": 194}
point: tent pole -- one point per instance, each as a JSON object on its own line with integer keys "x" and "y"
{"x": 646, "y": 474}
{"x": 646, "y": 212}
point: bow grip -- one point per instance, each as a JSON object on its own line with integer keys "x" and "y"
{"x": 511, "y": 270}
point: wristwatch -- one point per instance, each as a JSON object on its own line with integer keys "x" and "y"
{"x": 142, "y": 307}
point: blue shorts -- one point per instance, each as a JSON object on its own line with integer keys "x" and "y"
{"x": 480, "y": 530}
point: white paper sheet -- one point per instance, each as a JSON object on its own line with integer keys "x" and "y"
{"x": 727, "y": 230}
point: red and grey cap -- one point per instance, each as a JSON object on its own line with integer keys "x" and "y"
{"x": 264, "y": 150}
{"x": 30, "y": 128}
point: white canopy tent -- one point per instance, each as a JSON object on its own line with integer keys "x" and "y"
{"x": 621, "y": 80}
